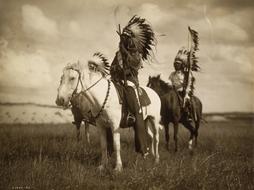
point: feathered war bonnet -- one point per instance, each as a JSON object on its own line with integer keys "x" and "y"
{"x": 99, "y": 63}
{"x": 182, "y": 57}
{"x": 140, "y": 35}
{"x": 185, "y": 56}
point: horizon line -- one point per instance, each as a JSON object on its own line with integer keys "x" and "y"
{"x": 58, "y": 107}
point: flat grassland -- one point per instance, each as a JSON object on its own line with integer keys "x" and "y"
{"x": 45, "y": 156}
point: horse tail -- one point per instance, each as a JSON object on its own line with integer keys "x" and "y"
{"x": 197, "y": 109}
{"x": 204, "y": 120}
{"x": 200, "y": 111}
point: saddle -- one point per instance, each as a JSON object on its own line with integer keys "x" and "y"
{"x": 128, "y": 118}
{"x": 121, "y": 92}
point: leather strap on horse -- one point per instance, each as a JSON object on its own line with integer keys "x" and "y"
{"x": 92, "y": 118}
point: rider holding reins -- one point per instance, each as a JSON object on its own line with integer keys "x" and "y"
{"x": 177, "y": 77}
{"x": 182, "y": 78}
{"x": 135, "y": 44}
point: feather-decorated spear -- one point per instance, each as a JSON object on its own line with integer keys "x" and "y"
{"x": 192, "y": 63}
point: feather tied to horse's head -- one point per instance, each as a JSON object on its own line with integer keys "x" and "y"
{"x": 99, "y": 64}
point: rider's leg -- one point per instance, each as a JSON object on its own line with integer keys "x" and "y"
{"x": 188, "y": 108}
{"x": 139, "y": 126}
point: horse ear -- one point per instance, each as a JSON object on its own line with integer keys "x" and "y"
{"x": 150, "y": 77}
{"x": 159, "y": 75}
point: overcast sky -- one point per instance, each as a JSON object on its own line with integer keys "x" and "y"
{"x": 38, "y": 38}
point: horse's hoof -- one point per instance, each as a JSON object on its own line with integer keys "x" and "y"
{"x": 118, "y": 168}
{"x": 157, "y": 160}
{"x": 101, "y": 168}
{"x": 145, "y": 155}
{"x": 190, "y": 145}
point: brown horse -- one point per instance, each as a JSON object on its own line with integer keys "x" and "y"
{"x": 172, "y": 112}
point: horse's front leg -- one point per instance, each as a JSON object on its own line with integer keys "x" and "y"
{"x": 103, "y": 141}
{"x": 87, "y": 134}
{"x": 77, "y": 120}
{"x": 175, "y": 135}
{"x": 150, "y": 131}
{"x": 156, "y": 145}
{"x": 189, "y": 126}
{"x": 197, "y": 123}
{"x": 117, "y": 147}
{"x": 77, "y": 124}
{"x": 78, "y": 131}
{"x": 166, "y": 127}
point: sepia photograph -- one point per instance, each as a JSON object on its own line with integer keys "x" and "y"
{"x": 126, "y": 94}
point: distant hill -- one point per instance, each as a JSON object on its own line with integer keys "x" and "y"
{"x": 33, "y": 113}
{"x": 30, "y": 112}
{"x": 217, "y": 116}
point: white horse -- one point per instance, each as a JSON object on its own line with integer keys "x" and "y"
{"x": 103, "y": 104}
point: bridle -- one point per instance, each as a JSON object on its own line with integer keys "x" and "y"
{"x": 91, "y": 118}
{"x": 82, "y": 86}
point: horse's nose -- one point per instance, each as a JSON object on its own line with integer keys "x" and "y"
{"x": 59, "y": 101}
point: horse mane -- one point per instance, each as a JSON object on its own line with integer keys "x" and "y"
{"x": 165, "y": 86}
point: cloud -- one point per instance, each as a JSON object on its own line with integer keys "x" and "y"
{"x": 40, "y": 43}
{"x": 228, "y": 31}
{"x": 232, "y": 61}
{"x": 22, "y": 69}
{"x": 35, "y": 21}
{"x": 75, "y": 29}
{"x": 155, "y": 15}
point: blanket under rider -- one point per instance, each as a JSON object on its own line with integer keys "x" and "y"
{"x": 128, "y": 119}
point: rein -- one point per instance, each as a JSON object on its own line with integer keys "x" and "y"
{"x": 80, "y": 81}
{"x": 92, "y": 118}
{"x": 105, "y": 101}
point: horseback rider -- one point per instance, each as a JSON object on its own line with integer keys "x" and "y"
{"x": 136, "y": 40}
{"x": 178, "y": 77}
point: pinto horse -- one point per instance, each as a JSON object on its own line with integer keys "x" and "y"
{"x": 171, "y": 111}
{"x": 103, "y": 106}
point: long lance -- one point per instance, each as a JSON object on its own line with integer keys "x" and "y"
{"x": 187, "y": 69}
{"x": 191, "y": 60}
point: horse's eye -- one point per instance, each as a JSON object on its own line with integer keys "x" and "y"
{"x": 72, "y": 78}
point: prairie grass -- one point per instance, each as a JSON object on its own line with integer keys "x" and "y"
{"x": 45, "y": 156}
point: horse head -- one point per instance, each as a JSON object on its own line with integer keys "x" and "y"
{"x": 158, "y": 85}
{"x": 74, "y": 78}
{"x": 154, "y": 83}
{"x": 71, "y": 78}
